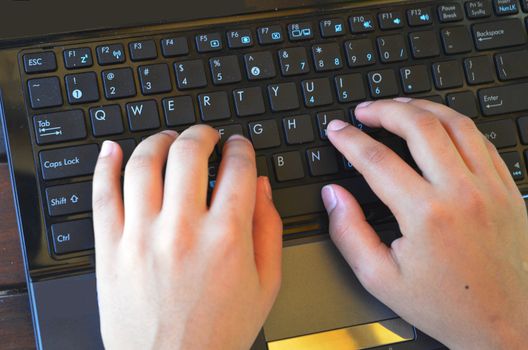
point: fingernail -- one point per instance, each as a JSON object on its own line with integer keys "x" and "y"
{"x": 235, "y": 137}
{"x": 403, "y": 99}
{"x": 364, "y": 104}
{"x": 170, "y": 133}
{"x": 267, "y": 187}
{"x": 106, "y": 149}
{"x": 336, "y": 125}
{"x": 329, "y": 198}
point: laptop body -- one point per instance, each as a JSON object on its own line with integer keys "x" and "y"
{"x": 321, "y": 304}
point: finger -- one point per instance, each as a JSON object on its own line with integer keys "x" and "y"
{"x": 234, "y": 192}
{"x": 393, "y": 180}
{"x": 464, "y": 134}
{"x": 144, "y": 176}
{"x": 187, "y": 170}
{"x": 428, "y": 141}
{"x": 372, "y": 261}
{"x": 107, "y": 200}
{"x": 267, "y": 238}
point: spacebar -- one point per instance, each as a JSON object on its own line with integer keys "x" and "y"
{"x": 306, "y": 199}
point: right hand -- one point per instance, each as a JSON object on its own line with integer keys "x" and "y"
{"x": 460, "y": 271}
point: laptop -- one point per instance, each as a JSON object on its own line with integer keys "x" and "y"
{"x": 73, "y": 75}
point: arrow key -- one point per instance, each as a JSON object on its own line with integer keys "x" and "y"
{"x": 513, "y": 161}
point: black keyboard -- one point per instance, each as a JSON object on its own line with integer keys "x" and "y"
{"x": 279, "y": 81}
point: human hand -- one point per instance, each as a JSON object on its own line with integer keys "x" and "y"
{"x": 460, "y": 271}
{"x": 173, "y": 273}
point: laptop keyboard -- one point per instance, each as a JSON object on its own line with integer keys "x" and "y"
{"x": 279, "y": 83}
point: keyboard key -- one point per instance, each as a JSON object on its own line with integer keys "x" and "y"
{"x": 504, "y": 99}
{"x": 59, "y": 127}
{"x": 514, "y": 164}
{"x": 298, "y": 129}
{"x": 179, "y": 111}
{"x": 259, "y": 65}
{"x": 327, "y": 57}
{"x": 506, "y": 7}
{"x": 499, "y": 34}
{"x": 119, "y": 83}
{"x": 317, "y": 92}
{"x": 390, "y": 20}
{"x": 415, "y": 79}
{"x": 383, "y": 83}
{"x": 424, "y": 44}
{"x": 350, "y": 87}
{"x": 501, "y": 133}
{"x": 512, "y": 65}
{"x": 214, "y": 106}
{"x": 456, "y": 40}
{"x": 306, "y": 199}
{"x": 237, "y": 39}
{"x": 524, "y": 4}
{"x": 392, "y": 48}
{"x": 332, "y": 27}
{"x": 190, "y": 74}
{"x": 283, "y": 97}
{"x": 359, "y": 124}
{"x": 226, "y": 132}
{"x": 322, "y": 161}
{"x": 479, "y": 70}
{"x": 361, "y": 23}
{"x": 419, "y": 16}
{"x": 270, "y": 35}
{"x": 82, "y": 88}
{"x": 450, "y": 12}
{"x": 68, "y": 162}
{"x": 110, "y": 54}
{"x": 264, "y": 134}
{"x": 143, "y": 115}
{"x": 288, "y": 166}
{"x": 172, "y": 47}
{"x": 143, "y": 50}
{"x": 209, "y": 42}
{"x": 106, "y": 120}
{"x": 522, "y": 123}
{"x": 324, "y": 118}
{"x": 300, "y": 31}
{"x": 262, "y": 167}
{"x": 360, "y": 53}
{"x": 127, "y": 146}
{"x": 464, "y": 103}
{"x": 40, "y": 62}
{"x": 478, "y": 9}
{"x": 78, "y": 58}
{"x": 448, "y": 75}
{"x": 154, "y": 79}
{"x": 45, "y": 92}
{"x": 72, "y": 236}
{"x": 249, "y": 101}
{"x": 294, "y": 61}
{"x": 225, "y": 70}
{"x": 69, "y": 199}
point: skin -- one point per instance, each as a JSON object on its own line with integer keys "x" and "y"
{"x": 174, "y": 273}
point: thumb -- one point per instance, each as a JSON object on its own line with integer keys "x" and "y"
{"x": 370, "y": 259}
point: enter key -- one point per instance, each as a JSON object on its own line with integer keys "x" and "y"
{"x": 504, "y": 99}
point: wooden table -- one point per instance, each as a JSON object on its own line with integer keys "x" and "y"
{"x": 16, "y": 329}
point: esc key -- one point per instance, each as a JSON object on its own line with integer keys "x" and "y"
{"x": 40, "y": 62}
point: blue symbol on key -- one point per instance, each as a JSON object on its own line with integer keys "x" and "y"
{"x": 215, "y": 43}
{"x": 245, "y": 40}
{"x": 397, "y": 21}
{"x": 338, "y": 28}
{"x": 276, "y": 35}
{"x": 296, "y": 33}
{"x": 367, "y": 24}
{"x": 425, "y": 18}
{"x": 306, "y": 32}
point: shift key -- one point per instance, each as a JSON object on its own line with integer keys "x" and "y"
{"x": 504, "y": 99}
{"x": 68, "y": 162}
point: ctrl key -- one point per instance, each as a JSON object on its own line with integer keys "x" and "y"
{"x": 72, "y": 236}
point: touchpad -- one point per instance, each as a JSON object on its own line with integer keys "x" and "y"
{"x": 319, "y": 293}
